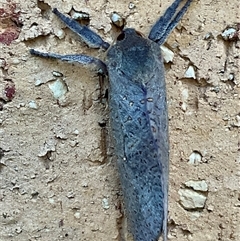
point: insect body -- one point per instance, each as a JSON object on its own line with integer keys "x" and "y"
{"x": 138, "y": 117}
{"x": 140, "y": 130}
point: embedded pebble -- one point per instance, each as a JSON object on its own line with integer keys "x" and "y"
{"x": 190, "y": 199}
{"x": 84, "y": 184}
{"x": 38, "y": 82}
{"x": 229, "y": 33}
{"x": 76, "y": 132}
{"x": 32, "y": 104}
{"x": 57, "y": 74}
{"x": 18, "y": 230}
{"x": 208, "y": 36}
{"x": 195, "y": 158}
{"x": 210, "y": 208}
{"x": 197, "y": 185}
{"x": 73, "y": 143}
{"x": 185, "y": 96}
{"x": 237, "y": 121}
{"x": 58, "y": 88}
{"x": 15, "y": 61}
{"x": 226, "y": 117}
{"x": 32, "y": 176}
{"x": 195, "y": 215}
{"x": 76, "y": 205}
{"x": 80, "y": 16}
{"x": 77, "y": 215}
{"x": 70, "y": 195}
{"x": 190, "y": 73}
{"x": 117, "y": 19}
{"x": 59, "y": 33}
{"x": 167, "y": 54}
{"x": 2, "y": 63}
{"x": 51, "y": 200}
{"x": 231, "y": 77}
{"x": 60, "y": 133}
{"x": 105, "y": 203}
{"x": 49, "y": 146}
{"x": 131, "y": 5}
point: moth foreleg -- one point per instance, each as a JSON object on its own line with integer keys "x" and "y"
{"x": 92, "y": 39}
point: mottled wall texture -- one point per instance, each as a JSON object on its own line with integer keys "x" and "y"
{"x": 58, "y": 179}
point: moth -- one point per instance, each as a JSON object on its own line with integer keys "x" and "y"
{"x": 138, "y": 115}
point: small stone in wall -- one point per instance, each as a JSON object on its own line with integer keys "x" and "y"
{"x": 32, "y": 104}
{"x": 77, "y": 215}
{"x": 131, "y": 5}
{"x": 195, "y": 158}
{"x": 58, "y": 88}
{"x": 197, "y": 185}
{"x": 105, "y": 203}
{"x": 167, "y": 54}
{"x": 49, "y": 146}
{"x": 230, "y": 34}
{"x": 191, "y": 199}
{"x": 190, "y": 73}
{"x": 117, "y": 20}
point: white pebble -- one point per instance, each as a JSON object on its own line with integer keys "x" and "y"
{"x": 76, "y": 132}
{"x": 51, "y": 200}
{"x": 38, "y": 82}
{"x": 73, "y": 143}
{"x": 167, "y": 54}
{"x": 105, "y": 203}
{"x": 231, "y": 77}
{"x": 117, "y": 19}
{"x": 32, "y": 104}
{"x": 195, "y": 158}
{"x": 77, "y": 215}
{"x": 80, "y": 16}
{"x": 191, "y": 199}
{"x": 131, "y": 5}
{"x": 197, "y": 185}
{"x": 228, "y": 33}
{"x": 237, "y": 122}
{"x": 185, "y": 96}
{"x": 60, "y": 34}
{"x": 190, "y": 73}
{"x": 58, "y": 88}
{"x": 57, "y": 74}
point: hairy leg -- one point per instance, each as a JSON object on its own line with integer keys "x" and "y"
{"x": 77, "y": 58}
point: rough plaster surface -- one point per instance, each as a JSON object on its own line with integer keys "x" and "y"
{"x": 58, "y": 180}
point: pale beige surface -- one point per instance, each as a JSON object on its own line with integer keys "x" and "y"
{"x": 55, "y": 180}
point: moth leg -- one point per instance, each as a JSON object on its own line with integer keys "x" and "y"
{"x": 78, "y": 58}
{"x": 92, "y": 39}
{"x": 166, "y": 23}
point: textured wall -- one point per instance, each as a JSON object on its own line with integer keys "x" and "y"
{"x": 58, "y": 180}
